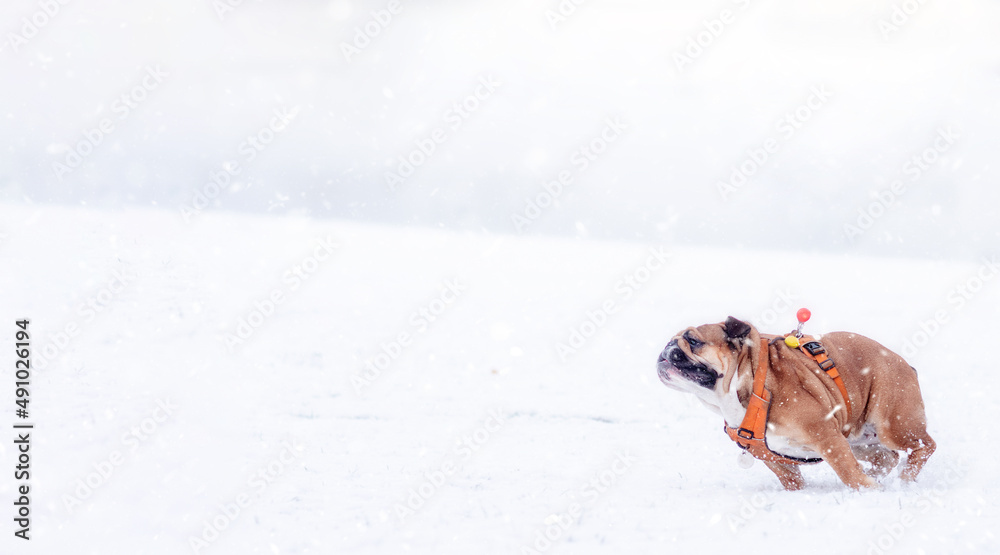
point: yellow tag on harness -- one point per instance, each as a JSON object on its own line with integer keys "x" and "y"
{"x": 792, "y": 341}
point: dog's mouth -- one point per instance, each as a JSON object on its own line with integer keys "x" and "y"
{"x": 674, "y": 363}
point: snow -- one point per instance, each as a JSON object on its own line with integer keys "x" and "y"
{"x": 506, "y": 438}
{"x": 889, "y": 95}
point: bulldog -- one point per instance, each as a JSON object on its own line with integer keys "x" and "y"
{"x": 807, "y": 418}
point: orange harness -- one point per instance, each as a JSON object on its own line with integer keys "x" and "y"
{"x": 750, "y": 434}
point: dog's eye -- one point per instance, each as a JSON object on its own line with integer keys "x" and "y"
{"x": 694, "y": 343}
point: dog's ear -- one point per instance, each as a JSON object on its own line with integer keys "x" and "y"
{"x": 736, "y": 330}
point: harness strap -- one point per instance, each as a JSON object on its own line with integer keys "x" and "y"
{"x": 750, "y": 433}
{"x": 818, "y": 353}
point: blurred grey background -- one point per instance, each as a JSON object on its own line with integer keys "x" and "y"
{"x": 898, "y": 74}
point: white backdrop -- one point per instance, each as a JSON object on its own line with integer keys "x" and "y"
{"x": 388, "y": 277}
{"x": 700, "y": 88}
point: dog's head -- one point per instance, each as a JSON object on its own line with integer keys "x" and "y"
{"x": 704, "y": 360}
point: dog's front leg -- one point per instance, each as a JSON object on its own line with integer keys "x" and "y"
{"x": 789, "y": 475}
{"x": 836, "y": 451}
{"x": 882, "y": 460}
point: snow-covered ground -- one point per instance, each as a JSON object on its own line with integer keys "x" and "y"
{"x": 200, "y": 410}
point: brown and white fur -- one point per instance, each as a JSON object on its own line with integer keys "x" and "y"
{"x": 716, "y": 362}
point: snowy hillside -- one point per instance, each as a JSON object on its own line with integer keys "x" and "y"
{"x": 244, "y": 384}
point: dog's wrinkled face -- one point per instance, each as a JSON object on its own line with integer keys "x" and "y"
{"x": 703, "y": 360}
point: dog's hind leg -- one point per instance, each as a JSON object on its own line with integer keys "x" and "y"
{"x": 916, "y": 441}
{"x": 903, "y": 427}
{"x": 918, "y": 455}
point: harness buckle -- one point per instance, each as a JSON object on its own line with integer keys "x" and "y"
{"x": 827, "y": 365}
{"x": 814, "y": 348}
{"x": 749, "y": 433}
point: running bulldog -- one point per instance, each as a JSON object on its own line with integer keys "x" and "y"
{"x": 797, "y": 400}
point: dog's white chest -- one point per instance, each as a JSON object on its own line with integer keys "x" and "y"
{"x": 788, "y": 447}
{"x": 728, "y": 404}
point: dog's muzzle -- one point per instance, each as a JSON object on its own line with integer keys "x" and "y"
{"x": 674, "y": 360}
{"x": 670, "y": 356}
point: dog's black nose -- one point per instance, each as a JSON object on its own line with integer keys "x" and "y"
{"x": 666, "y": 352}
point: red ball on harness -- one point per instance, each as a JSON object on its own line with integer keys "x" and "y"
{"x": 803, "y": 315}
